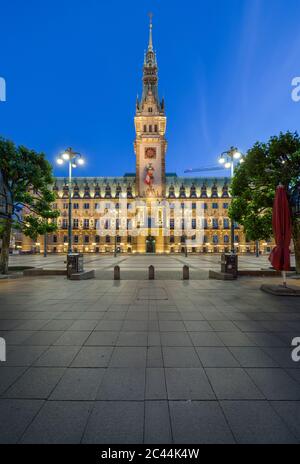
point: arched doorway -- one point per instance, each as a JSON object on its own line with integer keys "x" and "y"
{"x": 150, "y": 244}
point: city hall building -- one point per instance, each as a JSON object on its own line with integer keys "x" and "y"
{"x": 151, "y": 210}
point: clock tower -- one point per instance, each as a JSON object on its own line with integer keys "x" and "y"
{"x": 150, "y": 126}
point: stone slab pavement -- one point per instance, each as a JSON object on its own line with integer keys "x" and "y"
{"x": 147, "y": 362}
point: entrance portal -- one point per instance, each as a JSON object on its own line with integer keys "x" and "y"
{"x": 150, "y": 244}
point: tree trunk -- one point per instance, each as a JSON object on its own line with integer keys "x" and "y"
{"x": 296, "y": 240}
{"x": 5, "y": 247}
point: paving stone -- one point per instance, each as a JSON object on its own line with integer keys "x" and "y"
{"x": 72, "y": 338}
{"x": 16, "y": 415}
{"x": 123, "y": 384}
{"x": 199, "y": 422}
{"x": 216, "y": 357}
{"x": 43, "y": 338}
{"x": 180, "y": 357}
{"x": 8, "y": 375}
{"x": 205, "y": 339}
{"x": 135, "y": 326}
{"x": 57, "y": 324}
{"x": 36, "y": 382}
{"x": 78, "y": 384}
{"x": 84, "y": 325}
{"x": 111, "y": 326}
{"x": 232, "y": 383}
{"x": 256, "y": 422}
{"x": 154, "y": 339}
{"x": 55, "y": 356}
{"x": 155, "y": 384}
{"x": 154, "y": 356}
{"x": 175, "y": 339}
{"x": 103, "y": 338}
{"x": 235, "y": 339}
{"x": 275, "y": 384}
{"x": 252, "y": 357}
{"x": 59, "y": 422}
{"x": 129, "y": 357}
{"x": 93, "y": 356}
{"x": 289, "y": 411}
{"x": 188, "y": 384}
{"x": 132, "y": 339}
{"x": 23, "y": 355}
{"x": 115, "y": 422}
{"x": 157, "y": 423}
{"x": 198, "y": 326}
{"x": 263, "y": 339}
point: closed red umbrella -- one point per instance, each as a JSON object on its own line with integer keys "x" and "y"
{"x": 282, "y": 228}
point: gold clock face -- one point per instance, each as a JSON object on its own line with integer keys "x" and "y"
{"x": 150, "y": 153}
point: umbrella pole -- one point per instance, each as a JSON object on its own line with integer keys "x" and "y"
{"x": 284, "y": 278}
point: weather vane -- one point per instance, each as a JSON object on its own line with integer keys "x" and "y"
{"x": 150, "y": 14}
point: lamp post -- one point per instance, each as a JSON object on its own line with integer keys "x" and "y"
{"x": 74, "y": 159}
{"x": 122, "y": 195}
{"x": 228, "y": 159}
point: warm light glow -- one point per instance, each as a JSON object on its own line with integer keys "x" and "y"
{"x": 65, "y": 156}
{"x": 80, "y": 161}
{"x": 237, "y": 155}
{"x": 222, "y": 160}
{"x": 227, "y": 165}
{"x": 59, "y": 161}
{"x": 242, "y": 160}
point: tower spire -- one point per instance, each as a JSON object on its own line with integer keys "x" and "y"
{"x": 150, "y": 45}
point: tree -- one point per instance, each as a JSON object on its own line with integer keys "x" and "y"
{"x": 254, "y": 184}
{"x": 25, "y": 197}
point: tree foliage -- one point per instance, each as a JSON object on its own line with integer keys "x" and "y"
{"x": 254, "y": 184}
{"x": 26, "y": 198}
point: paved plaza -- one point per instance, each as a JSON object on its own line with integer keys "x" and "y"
{"x": 138, "y": 361}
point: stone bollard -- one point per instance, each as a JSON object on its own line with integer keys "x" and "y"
{"x": 117, "y": 273}
{"x": 186, "y": 273}
{"x": 151, "y": 272}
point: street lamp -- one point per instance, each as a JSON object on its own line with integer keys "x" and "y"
{"x": 122, "y": 195}
{"x": 228, "y": 159}
{"x": 74, "y": 159}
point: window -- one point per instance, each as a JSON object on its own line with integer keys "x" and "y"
{"x": 107, "y": 239}
{"x": 86, "y": 239}
{"x": 97, "y": 224}
{"x": 226, "y": 239}
{"x": 204, "y": 223}
{"x": 145, "y": 128}
{"x": 204, "y": 206}
{"x": 194, "y": 205}
{"x": 65, "y": 206}
{"x": 97, "y": 239}
{"x": 215, "y": 223}
{"x": 149, "y": 222}
{"x": 215, "y": 239}
{"x": 117, "y": 224}
{"x": 64, "y": 224}
{"x": 236, "y": 239}
{"x": 54, "y": 206}
{"x": 106, "y": 225}
{"x": 86, "y": 223}
{"x": 194, "y": 223}
{"x": 172, "y": 224}
{"x": 118, "y": 239}
{"x": 150, "y": 109}
{"x": 54, "y": 238}
{"x": 155, "y": 128}
{"x": 236, "y": 226}
{"x": 172, "y": 239}
{"x": 96, "y": 206}
{"x": 225, "y": 205}
{"x": 205, "y": 239}
{"x": 129, "y": 239}
{"x": 86, "y": 206}
{"x": 75, "y": 205}
{"x": 129, "y": 224}
{"x": 76, "y": 239}
{"x": 65, "y": 239}
{"x": 226, "y": 223}
{"x": 75, "y": 223}
{"x": 215, "y": 206}
{"x": 150, "y": 128}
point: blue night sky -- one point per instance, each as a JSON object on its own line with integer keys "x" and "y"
{"x": 73, "y": 69}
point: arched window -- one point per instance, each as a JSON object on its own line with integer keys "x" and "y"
{"x": 150, "y": 128}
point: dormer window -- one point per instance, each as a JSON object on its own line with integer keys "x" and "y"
{"x": 150, "y": 109}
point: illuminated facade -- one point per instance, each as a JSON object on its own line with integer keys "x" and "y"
{"x": 149, "y": 210}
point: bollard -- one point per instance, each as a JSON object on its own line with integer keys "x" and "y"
{"x": 151, "y": 272}
{"x": 186, "y": 273}
{"x": 117, "y": 273}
